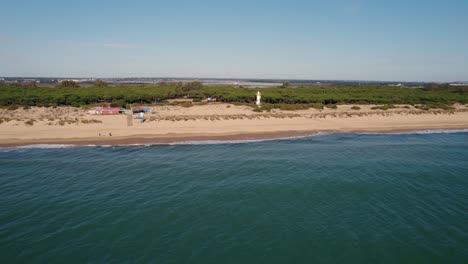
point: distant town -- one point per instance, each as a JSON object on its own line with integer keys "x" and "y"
{"x": 257, "y": 83}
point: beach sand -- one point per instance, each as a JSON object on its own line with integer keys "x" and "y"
{"x": 218, "y": 121}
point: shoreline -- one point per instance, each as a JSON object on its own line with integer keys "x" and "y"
{"x": 225, "y": 137}
{"x": 216, "y": 122}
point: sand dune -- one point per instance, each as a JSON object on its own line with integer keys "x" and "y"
{"x": 214, "y": 121}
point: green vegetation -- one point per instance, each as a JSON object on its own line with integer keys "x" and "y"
{"x": 332, "y": 106}
{"x": 68, "y": 93}
{"x": 287, "y": 107}
{"x": 445, "y": 87}
{"x": 100, "y": 83}
{"x": 384, "y": 107}
{"x": 257, "y": 110}
{"x": 12, "y": 107}
{"x": 69, "y": 84}
{"x": 119, "y": 103}
{"x": 293, "y": 107}
{"x": 185, "y": 104}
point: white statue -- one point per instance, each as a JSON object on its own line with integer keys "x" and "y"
{"x": 259, "y": 96}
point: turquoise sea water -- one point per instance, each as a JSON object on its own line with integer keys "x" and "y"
{"x": 337, "y": 198}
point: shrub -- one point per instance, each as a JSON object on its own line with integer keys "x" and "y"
{"x": 30, "y": 84}
{"x": 91, "y": 121}
{"x": 186, "y": 104}
{"x": 119, "y": 103}
{"x": 292, "y": 107}
{"x": 383, "y": 107}
{"x": 183, "y": 89}
{"x": 423, "y": 107}
{"x": 330, "y": 102}
{"x": 69, "y": 84}
{"x": 356, "y": 107}
{"x": 100, "y": 83}
{"x": 332, "y": 106}
{"x": 30, "y": 122}
{"x": 192, "y": 86}
{"x": 442, "y": 106}
{"x": 197, "y": 100}
{"x": 316, "y": 105}
{"x": 12, "y": 107}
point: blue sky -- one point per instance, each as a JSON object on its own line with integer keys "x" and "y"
{"x": 350, "y": 40}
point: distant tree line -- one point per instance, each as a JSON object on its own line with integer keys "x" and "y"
{"x": 445, "y": 87}
{"x": 69, "y": 93}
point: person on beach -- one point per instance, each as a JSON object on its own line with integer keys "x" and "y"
{"x": 110, "y": 134}
{"x": 142, "y": 117}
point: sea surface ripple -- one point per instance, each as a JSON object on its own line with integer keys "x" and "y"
{"x": 334, "y": 198}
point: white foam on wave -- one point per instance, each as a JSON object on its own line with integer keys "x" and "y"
{"x": 36, "y": 146}
{"x": 244, "y": 141}
{"x": 46, "y": 146}
{"x": 50, "y": 146}
{"x": 214, "y": 142}
{"x": 239, "y": 141}
{"x": 217, "y": 142}
{"x": 418, "y": 132}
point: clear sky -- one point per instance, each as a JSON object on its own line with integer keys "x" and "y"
{"x": 410, "y": 40}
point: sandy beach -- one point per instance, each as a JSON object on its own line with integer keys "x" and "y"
{"x": 165, "y": 124}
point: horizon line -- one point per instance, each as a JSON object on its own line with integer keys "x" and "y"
{"x": 240, "y": 78}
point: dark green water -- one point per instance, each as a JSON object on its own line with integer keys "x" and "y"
{"x": 341, "y": 198}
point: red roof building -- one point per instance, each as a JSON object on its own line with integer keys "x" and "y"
{"x": 110, "y": 110}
